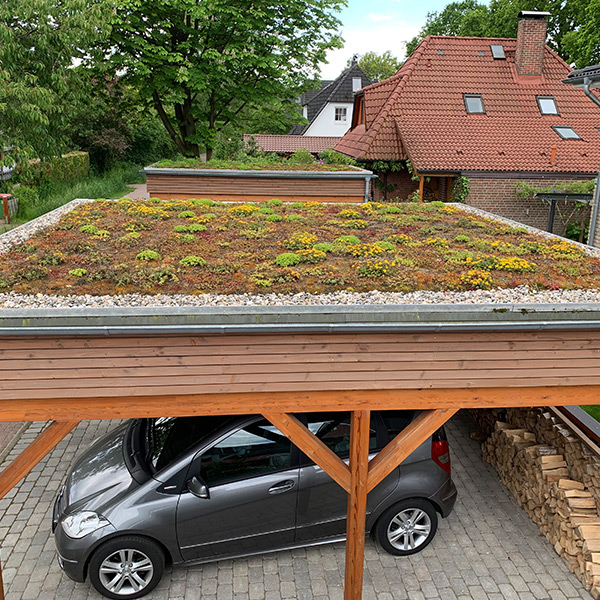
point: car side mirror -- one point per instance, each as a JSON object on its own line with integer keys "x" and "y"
{"x": 198, "y": 487}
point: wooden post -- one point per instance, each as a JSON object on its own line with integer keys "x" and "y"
{"x": 421, "y": 185}
{"x": 357, "y": 504}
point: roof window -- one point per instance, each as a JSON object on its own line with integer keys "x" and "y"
{"x": 474, "y": 103}
{"x": 498, "y": 52}
{"x": 547, "y": 105}
{"x": 566, "y": 133}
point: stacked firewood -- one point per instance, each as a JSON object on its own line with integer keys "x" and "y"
{"x": 564, "y": 510}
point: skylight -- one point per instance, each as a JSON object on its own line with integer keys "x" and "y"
{"x": 474, "y": 103}
{"x": 547, "y": 105}
{"x": 498, "y": 52}
{"x": 566, "y": 133}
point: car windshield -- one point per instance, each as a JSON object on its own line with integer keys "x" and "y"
{"x": 167, "y": 438}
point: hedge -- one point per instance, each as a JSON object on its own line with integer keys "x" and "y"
{"x": 68, "y": 167}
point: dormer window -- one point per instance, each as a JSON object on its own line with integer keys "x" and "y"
{"x": 547, "y": 105}
{"x": 474, "y": 103}
{"x": 356, "y": 83}
{"x": 566, "y": 133}
{"x": 340, "y": 114}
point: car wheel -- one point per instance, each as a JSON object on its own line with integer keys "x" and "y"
{"x": 126, "y": 567}
{"x": 407, "y": 527}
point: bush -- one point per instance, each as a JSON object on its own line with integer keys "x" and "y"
{"x": 301, "y": 157}
{"x": 288, "y": 259}
{"x": 192, "y": 261}
{"x": 68, "y": 167}
{"x": 331, "y": 157}
{"x": 28, "y": 196}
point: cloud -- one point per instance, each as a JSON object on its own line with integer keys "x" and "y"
{"x": 375, "y": 38}
{"x": 378, "y": 18}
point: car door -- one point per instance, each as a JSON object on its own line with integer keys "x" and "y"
{"x": 322, "y": 503}
{"x": 252, "y": 496}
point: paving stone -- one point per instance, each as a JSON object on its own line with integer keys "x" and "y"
{"x": 488, "y": 549}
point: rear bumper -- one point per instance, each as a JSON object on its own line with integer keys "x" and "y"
{"x": 445, "y": 498}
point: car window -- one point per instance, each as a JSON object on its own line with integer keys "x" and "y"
{"x": 333, "y": 429}
{"x": 253, "y": 450}
{"x": 395, "y": 421}
{"x": 168, "y": 438}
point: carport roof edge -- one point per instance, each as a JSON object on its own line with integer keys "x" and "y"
{"x": 297, "y": 319}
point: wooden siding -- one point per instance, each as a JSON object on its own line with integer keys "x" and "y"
{"x": 255, "y": 188}
{"x": 218, "y": 370}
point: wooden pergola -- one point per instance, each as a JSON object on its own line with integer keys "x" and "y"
{"x": 80, "y": 364}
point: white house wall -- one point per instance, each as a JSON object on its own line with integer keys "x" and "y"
{"x": 325, "y": 123}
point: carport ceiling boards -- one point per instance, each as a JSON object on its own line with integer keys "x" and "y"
{"x": 123, "y": 363}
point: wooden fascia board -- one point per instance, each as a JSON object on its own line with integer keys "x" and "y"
{"x": 126, "y": 407}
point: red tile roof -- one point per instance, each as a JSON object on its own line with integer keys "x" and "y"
{"x": 420, "y": 113}
{"x": 291, "y": 143}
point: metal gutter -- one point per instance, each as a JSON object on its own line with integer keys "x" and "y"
{"x": 298, "y": 319}
{"x": 594, "y": 215}
{"x": 355, "y": 173}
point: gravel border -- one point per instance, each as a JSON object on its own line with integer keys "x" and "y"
{"x": 518, "y": 295}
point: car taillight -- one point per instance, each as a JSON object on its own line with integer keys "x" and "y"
{"x": 440, "y": 453}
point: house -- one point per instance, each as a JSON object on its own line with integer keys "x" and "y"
{"x": 493, "y": 110}
{"x": 329, "y": 107}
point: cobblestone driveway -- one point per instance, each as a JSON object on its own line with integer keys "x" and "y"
{"x": 488, "y": 548}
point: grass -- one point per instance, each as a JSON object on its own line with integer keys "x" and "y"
{"x": 112, "y": 184}
{"x": 593, "y": 411}
{"x": 199, "y": 246}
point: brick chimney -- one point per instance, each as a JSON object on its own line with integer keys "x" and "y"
{"x": 531, "y": 41}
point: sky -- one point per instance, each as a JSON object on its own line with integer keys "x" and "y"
{"x": 378, "y": 25}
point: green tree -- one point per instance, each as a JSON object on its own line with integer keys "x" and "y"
{"x": 467, "y": 17}
{"x": 39, "y": 88}
{"x": 201, "y": 63}
{"x": 573, "y": 26}
{"x": 378, "y": 66}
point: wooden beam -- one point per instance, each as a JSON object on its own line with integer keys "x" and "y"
{"x": 357, "y": 504}
{"x": 405, "y": 443}
{"x": 32, "y": 455}
{"x": 312, "y": 446}
{"x": 184, "y": 405}
{"x": 421, "y": 186}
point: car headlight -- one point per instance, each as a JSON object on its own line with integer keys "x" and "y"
{"x": 82, "y": 523}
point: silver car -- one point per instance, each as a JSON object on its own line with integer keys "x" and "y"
{"x": 198, "y": 489}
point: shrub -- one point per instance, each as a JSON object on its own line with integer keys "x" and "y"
{"x": 347, "y": 240}
{"x": 300, "y": 240}
{"x": 192, "y": 261}
{"x": 28, "y": 196}
{"x": 68, "y": 167}
{"x": 78, "y": 272}
{"x": 301, "y": 157}
{"x": 288, "y": 259}
{"x": 148, "y": 255}
{"x": 331, "y": 157}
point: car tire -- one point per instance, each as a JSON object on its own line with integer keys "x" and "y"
{"x": 407, "y": 527}
{"x": 126, "y": 567}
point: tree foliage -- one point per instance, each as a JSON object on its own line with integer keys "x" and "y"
{"x": 39, "y": 40}
{"x": 378, "y": 66}
{"x": 573, "y": 27}
{"x": 200, "y": 63}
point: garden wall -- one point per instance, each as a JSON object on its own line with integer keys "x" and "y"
{"x": 555, "y": 477}
{"x": 497, "y": 195}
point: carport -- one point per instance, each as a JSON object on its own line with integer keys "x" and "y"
{"x": 71, "y": 365}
